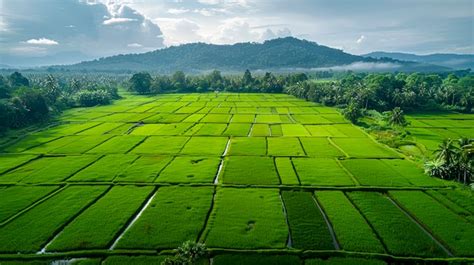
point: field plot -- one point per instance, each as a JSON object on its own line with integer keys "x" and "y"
{"x": 321, "y": 171}
{"x": 108, "y": 215}
{"x": 48, "y": 169}
{"x": 16, "y": 198}
{"x": 308, "y": 227}
{"x": 174, "y": 215}
{"x": 188, "y": 169}
{"x": 259, "y": 178}
{"x": 431, "y": 129}
{"x": 250, "y": 170}
{"x": 22, "y": 235}
{"x": 400, "y": 235}
{"x": 247, "y": 218}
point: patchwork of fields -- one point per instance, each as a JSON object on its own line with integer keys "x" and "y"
{"x": 431, "y": 129}
{"x": 251, "y": 175}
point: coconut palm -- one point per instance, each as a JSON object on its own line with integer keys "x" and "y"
{"x": 396, "y": 117}
{"x": 447, "y": 152}
{"x": 436, "y": 168}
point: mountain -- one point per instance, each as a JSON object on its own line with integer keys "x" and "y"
{"x": 277, "y": 55}
{"x": 282, "y": 53}
{"x": 455, "y": 61}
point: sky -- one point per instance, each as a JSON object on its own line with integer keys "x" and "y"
{"x": 66, "y": 31}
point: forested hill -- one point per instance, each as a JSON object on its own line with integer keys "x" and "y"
{"x": 282, "y": 53}
{"x": 455, "y": 61}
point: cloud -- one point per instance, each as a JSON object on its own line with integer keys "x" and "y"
{"x": 134, "y": 45}
{"x": 178, "y": 11}
{"x": 361, "y": 66}
{"x": 178, "y": 30}
{"x": 91, "y": 29}
{"x": 118, "y": 20}
{"x": 42, "y": 41}
{"x": 360, "y": 39}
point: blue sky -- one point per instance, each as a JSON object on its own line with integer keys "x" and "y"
{"x": 69, "y": 30}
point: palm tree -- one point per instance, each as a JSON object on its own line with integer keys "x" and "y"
{"x": 436, "y": 168}
{"x": 447, "y": 152}
{"x": 466, "y": 158}
{"x": 396, "y": 117}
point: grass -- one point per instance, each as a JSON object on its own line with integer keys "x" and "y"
{"x": 104, "y": 169}
{"x": 243, "y": 118}
{"x": 277, "y": 144}
{"x": 240, "y": 259}
{"x": 175, "y": 215}
{"x": 108, "y": 215}
{"x": 399, "y": 234}
{"x": 286, "y": 171}
{"x": 446, "y": 225}
{"x": 248, "y": 219}
{"x": 375, "y": 172}
{"x": 11, "y": 161}
{"x": 255, "y": 146}
{"x": 190, "y": 169}
{"x": 249, "y": 170}
{"x": 320, "y": 147}
{"x": 117, "y": 145}
{"x": 308, "y": 227}
{"x": 284, "y": 146}
{"x": 321, "y": 171}
{"x": 17, "y": 198}
{"x": 343, "y": 261}
{"x": 237, "y": 129}
{"x": 364, "y": 148}
{"x": 137, "y": 260}
{"x": 211, "y": 129}
{"x": 48, "y": 169}
{"x": 80, "y": 145}
{"x": 32, "y": 230}
{"x": 163, "y": 145}
{"x": 144, "y": 169}
{"x": 412, "y": 172}
{"x": 212, "y": 146}
{"x": 29, "y": 142}
{"x": 294, "y": 130}
{"x": 102, "y": 128}
{"x": 355, "y": 235}
{"x": 260, "y": 129}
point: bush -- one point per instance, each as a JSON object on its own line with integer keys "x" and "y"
{"x": 87, "y": 98}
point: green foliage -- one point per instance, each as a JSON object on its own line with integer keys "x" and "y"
{"x": 446, "y": 225}
{"x": 32, "y": 230}
{"x": 355, "y": 235}
{"x": 352, "y": 112}
{"x": 248, "y": 218}
{"x": 107, "y": 216}
{"x": 398, "y": 233}
{"x": 16, "y": 198}
{"x": 174, "y": 215}
{"x": 307, "y": 225}
{"x": 140, "y": 83}
{"x": 188, "y": 254}
{"x": 249, "y": 170}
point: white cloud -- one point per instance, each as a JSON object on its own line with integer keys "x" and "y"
{"x": 178, "y": 11}
{"x": 134, "y": 45}
{"x": 360, "y": 39}
{"x": 117, "y": 20}
{"x": 360, "y": 66}
{"x": 178, "y": 31}
{"x": 42, "y": 41}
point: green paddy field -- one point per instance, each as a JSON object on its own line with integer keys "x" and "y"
{"x": 259, "y": 178}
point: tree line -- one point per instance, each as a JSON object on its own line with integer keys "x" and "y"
{"x": 24, "y": 101}
{"x": 384, "y": 92}
{"x": 179, "y": 82}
